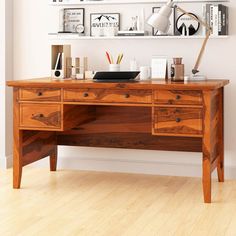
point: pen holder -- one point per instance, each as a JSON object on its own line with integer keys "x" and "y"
{"x": 114, "y": 67}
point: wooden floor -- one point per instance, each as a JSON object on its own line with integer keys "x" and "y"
{"x": 90, "y": 203}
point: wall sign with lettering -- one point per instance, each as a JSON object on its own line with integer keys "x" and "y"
{"x": 72, "y": 20}
{"x": 104, "y": 24}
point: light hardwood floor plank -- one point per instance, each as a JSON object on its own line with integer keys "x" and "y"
{"x": 111, "y": 204}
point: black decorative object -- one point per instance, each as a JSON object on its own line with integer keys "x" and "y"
{"x": 187, "y": 26}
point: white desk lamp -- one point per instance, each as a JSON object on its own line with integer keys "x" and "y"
{"x": 161, "y": 22}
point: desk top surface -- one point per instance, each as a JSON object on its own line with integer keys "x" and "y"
{"x": 148, "y": 84}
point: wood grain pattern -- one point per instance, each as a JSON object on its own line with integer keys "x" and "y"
{"x": 178, "y": 97}
{"x": 220, "y": 138}
{"x": 182, "y": 116}
{"x": 129, "y": 140}
{"x": 53, "y": 159}
{"x": 213, "y": 143}
{"x": 74, "y": 115}
{"x": 40, "y": 94}
{"x": 40, "y": 116}
{"x": 105, "y": 95}
{"x": 110, "y": 119}
{"x": 17, "y": 141}
{"x": 177, "y": 121}
{"x": 210, "y": 84}
{"x": 37, "y": 145}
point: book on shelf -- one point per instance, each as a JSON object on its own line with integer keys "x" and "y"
{"x": 131, "y": 33}
{"x": 217, "y": 17}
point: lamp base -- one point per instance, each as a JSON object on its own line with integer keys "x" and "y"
{"x": 195, "y": 78}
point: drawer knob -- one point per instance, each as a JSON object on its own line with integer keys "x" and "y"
{"x": 86, "y": 95}
{"x": 178, "y": 97}
{"x": 177, "y": 120}
{"x": 39, "y": 94}
{"x": 127, "y": 95}
{"x": 38, "y": 115}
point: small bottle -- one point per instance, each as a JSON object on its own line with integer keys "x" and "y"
{"x": 133, "y": 65}
{"x": 177, "y": 70}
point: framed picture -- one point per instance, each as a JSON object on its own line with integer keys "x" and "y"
{"x": 171, "y": 30}
{"x": 104, "y": 24}
{"x": 74, "y": 20}
{"x": 187, "y": 26}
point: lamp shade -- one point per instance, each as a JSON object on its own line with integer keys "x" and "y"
{"x": 160, "y": 20}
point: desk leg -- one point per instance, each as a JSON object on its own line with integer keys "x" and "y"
{"x": 17, "y": 159}
{"x": 220, "y": 164}
{"x": 213, "y": 144}
{"x": 207, "y": 145}
{"x": 17, "y": 143}
{"x": 53, "y": 160}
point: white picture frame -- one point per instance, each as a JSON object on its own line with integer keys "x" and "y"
{"x": 104, "y": 24}
{"x": 73, "y": 19}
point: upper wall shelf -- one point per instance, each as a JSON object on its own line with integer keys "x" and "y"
{"x": 113, "y": 2}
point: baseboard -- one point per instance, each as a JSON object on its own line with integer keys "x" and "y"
{"x": 6, "y": 162}
{"x": 134, "y": 166}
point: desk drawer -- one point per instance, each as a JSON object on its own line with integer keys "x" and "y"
{"x": 178, "y": 97}
{"x": 40, "y": 94}
{"x": 177, "y": 121}
{"x": 46, "y": 116}
{"x": 107, "y": 96}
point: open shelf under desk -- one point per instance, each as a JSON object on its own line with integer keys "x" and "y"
{"x": 107, "y": 2}
{"x": 55, "y": 36}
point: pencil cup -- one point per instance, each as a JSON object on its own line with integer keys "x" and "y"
{"x": 114, "y": 67}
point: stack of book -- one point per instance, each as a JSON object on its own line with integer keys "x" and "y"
{"x": 217, "y": 17}
{"x": 131, "y": 33}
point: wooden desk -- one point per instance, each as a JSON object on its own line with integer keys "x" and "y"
{"x": 153, "y": 115}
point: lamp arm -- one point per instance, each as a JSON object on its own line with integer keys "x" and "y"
{"x": 208, "y": 33}
{"x": 195, "y": 69}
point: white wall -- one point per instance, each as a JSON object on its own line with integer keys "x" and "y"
{"x": 34, "y": 19}
{"x": 6, "y": 73}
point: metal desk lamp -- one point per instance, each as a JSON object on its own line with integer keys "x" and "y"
{"x": 161, "y": 22}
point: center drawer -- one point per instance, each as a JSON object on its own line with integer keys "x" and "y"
{"x": 108, "y": 95}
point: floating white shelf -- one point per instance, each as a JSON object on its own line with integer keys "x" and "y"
{"x": 113, "y": 2}
{"x": 77, "y": 37}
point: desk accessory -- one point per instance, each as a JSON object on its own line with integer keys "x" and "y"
{"x": 59, "y": 53}
{"x": 113, "y": 76}
{"x": 159, "y": 67}
{"x": 161, "y": 22}
{"x": 133, "y": 65}
{"x": 76, "y": 71}
{"x": 145, "y": 72}
{"x": 114, "y": 66}
{"x": 177, "y": 70}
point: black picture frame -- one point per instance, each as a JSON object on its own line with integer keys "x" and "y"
{"x": 178, "y": 32}
{"x": 83, "y": 19}
{"x": 99, "y": 14}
